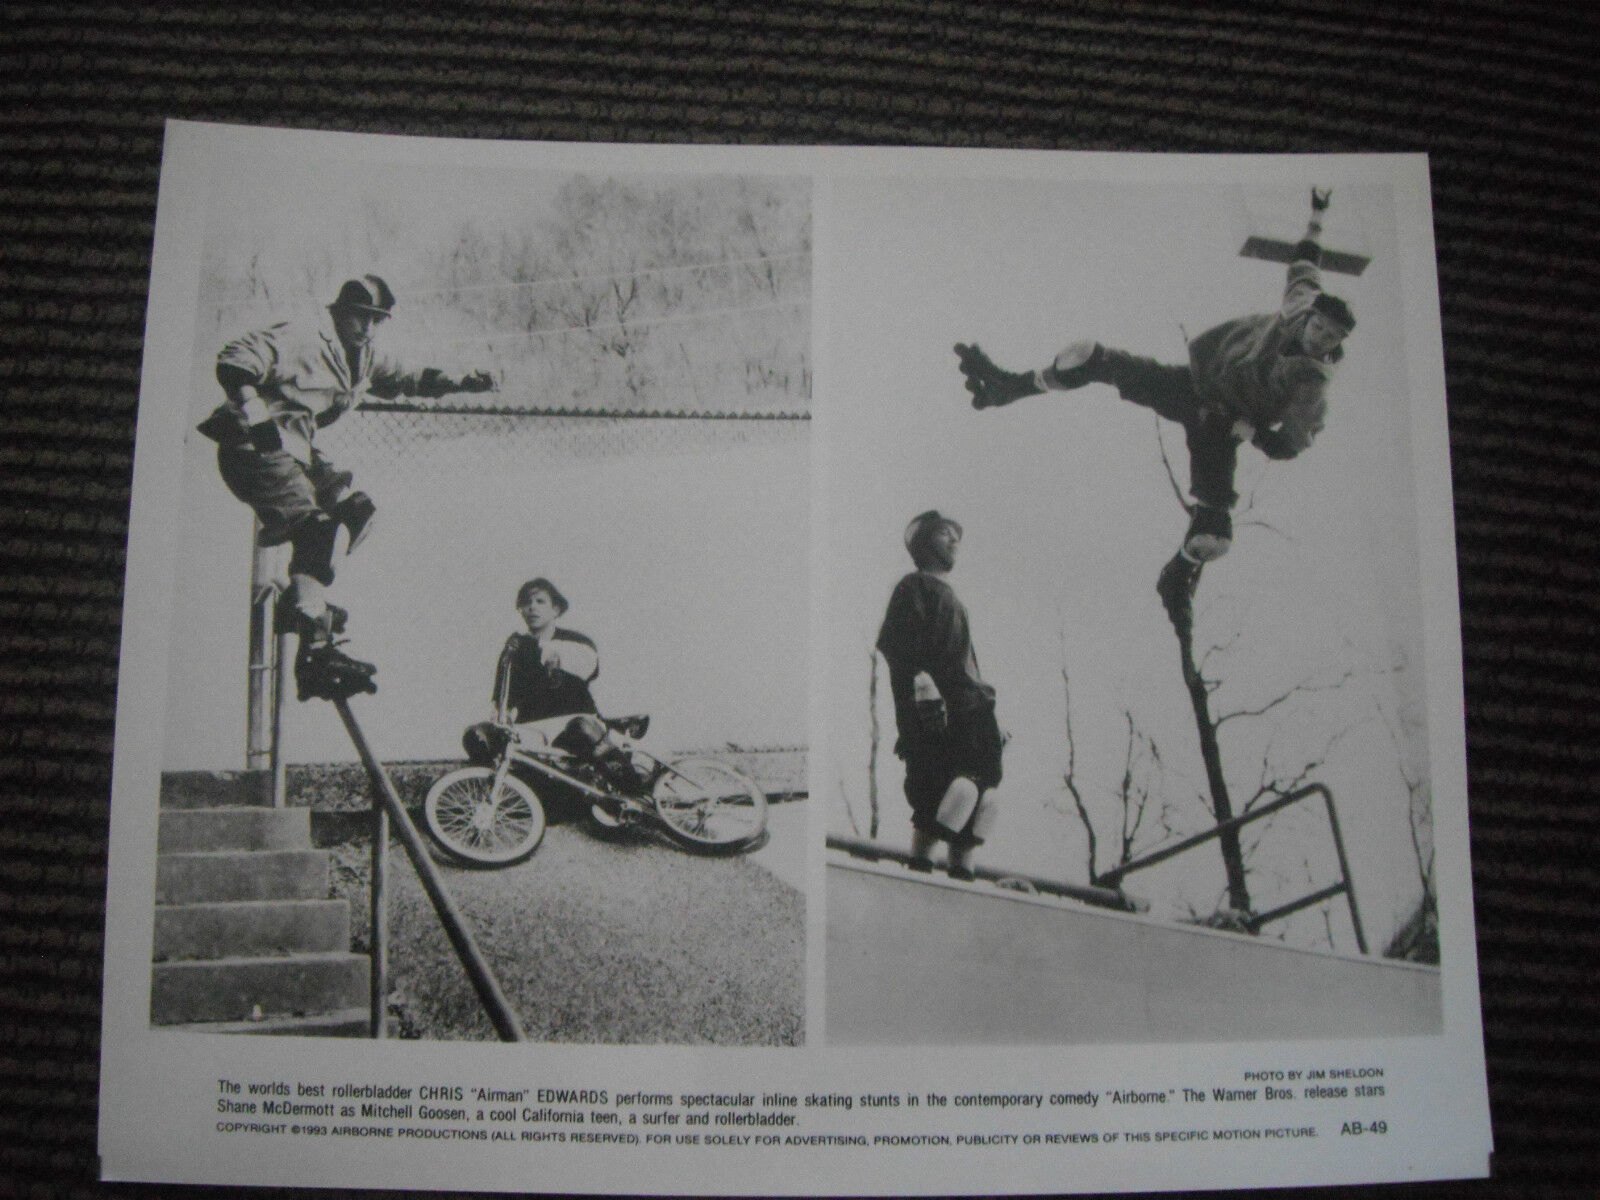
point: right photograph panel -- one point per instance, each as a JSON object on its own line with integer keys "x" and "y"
{"x": 1127, "y": 719}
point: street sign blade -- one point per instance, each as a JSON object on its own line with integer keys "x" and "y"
{"x": 1272, "y": 250}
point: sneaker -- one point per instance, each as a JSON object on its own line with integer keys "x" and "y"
{"x": 1077, "y": 365}
{"x": 1176, "y": 587}
{"x": 355, "y": 513}
{"x": 1210, "y": 534}
{"x": 324, "y": 672}
{"x": 962, "y": 874}
{"x": 921, "y": 865}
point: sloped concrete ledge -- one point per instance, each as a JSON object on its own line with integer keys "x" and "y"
{"x": 914, "y": 960}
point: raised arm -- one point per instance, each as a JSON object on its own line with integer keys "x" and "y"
{"x": 502, "y": 681}
{"x": 1304, "y": 281}
{"x": 1309, "y": 249}
{"x": 391, "y": 379}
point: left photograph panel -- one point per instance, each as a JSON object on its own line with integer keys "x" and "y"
{"x": 485, "y": 667}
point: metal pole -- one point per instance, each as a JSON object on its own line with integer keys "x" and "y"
{"x": 1114, "y": 877}
{"x": 280, "y": 692}
{"x": 1294, "y": 906}
{"x": 1099, "y": 896}
{"x": 259, "y": 739}
{"x": 379, "y": 898}
{"x": 455, "y": 927}
{"x": 1344, "y": 871}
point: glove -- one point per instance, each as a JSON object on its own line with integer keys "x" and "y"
{"x": 992, "y": 386}
{"x": 265, "y": 437}
{"x": 1320, "y": 198}
{"x": 477, "y": 381}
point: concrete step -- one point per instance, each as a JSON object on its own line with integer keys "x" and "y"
{"x": 188, "y": 830}
{"x": 215, "y": 789}
{"x": 250, "y": 929}
{"x": 241, "y": 875}
{"x": 253, "y": 989}
{"x": 346, "y": 1023}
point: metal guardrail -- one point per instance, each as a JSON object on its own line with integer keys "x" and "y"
{"x": 1102, "y": 897}
{"x": 1106, "y": 889}
{"x": 388, "y": 808}
{"x": 1114, "y": 877}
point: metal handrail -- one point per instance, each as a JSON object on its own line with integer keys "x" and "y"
{"x": 389, "y": 808}
{"x": 1113, "y": 878}
{"x": 1103, "y": 897}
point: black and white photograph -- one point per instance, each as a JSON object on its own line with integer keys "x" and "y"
{"x": 494, "y": 499}
{"x": 815, "y": 670}
{"x": 1129, "y": 728}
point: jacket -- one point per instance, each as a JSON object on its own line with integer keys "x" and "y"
{"x": 306, "y": 382}
{"x": 1254, "y": 367}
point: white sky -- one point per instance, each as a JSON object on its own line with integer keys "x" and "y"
{"x": 687, "y": 566}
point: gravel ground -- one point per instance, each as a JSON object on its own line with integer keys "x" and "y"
{"x": 602, "y": 941}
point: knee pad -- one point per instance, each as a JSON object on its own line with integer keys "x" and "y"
{"x": 979, "y": 824}
{"x": 959, "y": 802}
{"x": 983, "y": 819}
{"x": 587, "y": 726}
{"x": 312, "y": 540}
{"x": 581, "y": 735}
{"x": 483, "y": 743}
{"x": 1210, "y": 534}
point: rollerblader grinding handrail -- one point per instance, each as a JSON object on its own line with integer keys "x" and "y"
{"x": 283, "y": 384}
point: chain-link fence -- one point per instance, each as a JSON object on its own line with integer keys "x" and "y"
{"x": 437, "y": 442}
{"x": 669, "y": 360}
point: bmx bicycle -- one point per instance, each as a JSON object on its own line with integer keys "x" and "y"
{"x": 493, "y": 816}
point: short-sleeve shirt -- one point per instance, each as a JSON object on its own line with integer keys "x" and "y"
{"x": 534, "y": 682}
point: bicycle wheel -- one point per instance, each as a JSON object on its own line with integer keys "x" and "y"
{"x": 470, "y": 822}
{"x": 707, "y": 805}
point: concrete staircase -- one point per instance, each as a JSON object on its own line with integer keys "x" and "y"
{"x": 246, "y": 939}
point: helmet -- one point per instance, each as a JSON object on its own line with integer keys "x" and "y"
{"x": 923, "y": 524}
{"x": 366, "y": 294}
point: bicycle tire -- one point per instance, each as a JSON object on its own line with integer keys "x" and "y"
{"x": 706, "y": 805}
{"x": 490, "y": 830}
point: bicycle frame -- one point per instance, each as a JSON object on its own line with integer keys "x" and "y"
{"x": 698, "y": 801}
{"x": 552, "y": 762}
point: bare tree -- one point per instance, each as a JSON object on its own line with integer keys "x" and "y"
{"x": 1417, "y": 939}
{"x": 872, "y": 753}
{"x": 1141, "y": 770}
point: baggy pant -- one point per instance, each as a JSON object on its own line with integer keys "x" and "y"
{"x": 1169, "y": 392}
{"x": 281, "y": 490}
{"x": 970, "y": 747}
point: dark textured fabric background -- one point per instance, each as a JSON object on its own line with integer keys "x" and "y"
{"x": 1503, "y": 97}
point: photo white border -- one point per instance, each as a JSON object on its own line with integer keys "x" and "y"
{"x": 159, "y": 1088}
